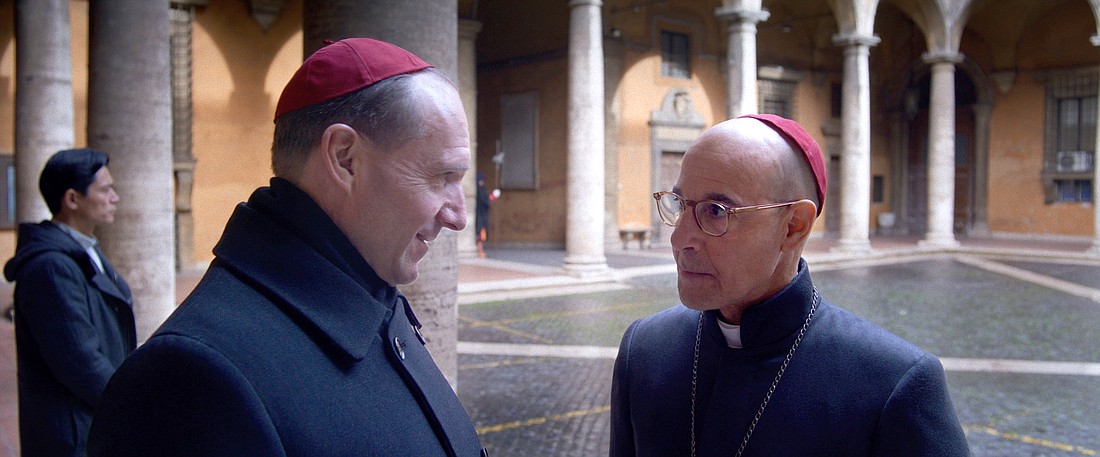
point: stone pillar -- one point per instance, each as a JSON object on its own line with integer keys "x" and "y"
{"x": 182, "y": 15}
{"x": 467, "y": 84}
{"x": 584, "y": 229}
{"x": 741, "y": 58}
{"x": 130, "y": 118}
{"x": 982, "y": 114}
{"x": 1095, "y": 250}
{"x": 855, "y": 157}
{"x": 43, "y": 97}
{"x": 941, "y": 152}
{"x": 429, "y": 29}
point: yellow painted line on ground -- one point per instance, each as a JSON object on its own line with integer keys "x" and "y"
{"x": 544, "y": 316}
{"x": 505, "y": 329}
{"x": 542, "y": 420}
{"x": 1029, "y": 439}
{"x": 502, "y": 363}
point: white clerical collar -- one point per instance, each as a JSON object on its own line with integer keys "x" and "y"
{"x": 732, "y": 334}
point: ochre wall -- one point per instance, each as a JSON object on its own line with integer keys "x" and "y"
{"x": 532, "y": 217}
{"x": 239, "y": 72}
{"x": 1016, "y": 162}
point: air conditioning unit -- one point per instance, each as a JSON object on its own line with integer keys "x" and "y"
{"x": 1074, "y": 162}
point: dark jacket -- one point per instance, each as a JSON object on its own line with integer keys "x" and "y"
{"x": 290, "y": 345}
{"x": 73, "y": 327}
{"x": 851, "y": 389}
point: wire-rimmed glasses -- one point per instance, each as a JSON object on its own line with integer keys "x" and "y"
{"x": 712, "y": 217}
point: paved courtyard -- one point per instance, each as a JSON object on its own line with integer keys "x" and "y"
{"x": 1018, "y": 336}
{"x": 1017, "y": 327}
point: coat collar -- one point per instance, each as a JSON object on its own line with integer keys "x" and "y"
{"x": 46, "y": 236}
{"x": 775, "y": 319}
{"x": 285, "y": 244}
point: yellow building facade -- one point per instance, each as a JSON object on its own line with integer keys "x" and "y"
{"x": 1024, "y": 86}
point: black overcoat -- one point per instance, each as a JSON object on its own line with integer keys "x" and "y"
{"x": 851, "y": 388}
{"x": 290, "y": 345}
{"x": 74, "y": 326}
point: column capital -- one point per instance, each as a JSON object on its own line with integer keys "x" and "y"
{"x": 942, "y": 57}
{"x": 576, "y": 3}
{"x": 852, "y": 39}
{"x": 741, "y": 15}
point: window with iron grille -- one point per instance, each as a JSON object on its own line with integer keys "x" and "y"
{"x": 776, "y": 97}
{"x": 1071, "y": 116}
{"x": 675, "y": 55}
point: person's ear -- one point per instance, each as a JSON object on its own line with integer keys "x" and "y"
{"x": 70, "y": 200}
{"x": 338, "y": 149}
{"x": 800, "y": 223}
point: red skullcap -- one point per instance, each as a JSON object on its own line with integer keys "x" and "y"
{"x": 344, "y": 67}
{"x": 791, "y": 131}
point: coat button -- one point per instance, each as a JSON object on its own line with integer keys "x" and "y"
{"x": 399, "y": 347}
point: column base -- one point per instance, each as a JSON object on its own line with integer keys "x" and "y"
{"x": 853, "y": 246}
{"x": 937, "y": 242}
{"x": 586, "y": 266}
{"x": 1095, "y": 249}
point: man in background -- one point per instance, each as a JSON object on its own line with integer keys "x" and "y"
{"x": 74, "y": 322}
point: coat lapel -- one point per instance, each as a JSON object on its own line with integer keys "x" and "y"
{"x": 428, "y": 384}
{"x": 109, "y": 282}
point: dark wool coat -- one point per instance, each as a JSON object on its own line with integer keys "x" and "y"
{"x": 290, "y": 345}
{"x": 73, "y": 327}
{"x": 851, "y": 389}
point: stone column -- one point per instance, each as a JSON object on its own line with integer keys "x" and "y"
{"x": 467, "y": 84}
{"x": 741, "y": 58}
{"x": 941, "y": 152}
{"x": 982, "y": 114}
{"x": 429, "y": 29}
{"x": 855, "y": 157}
{"x": 584, "y": 229}
{"x": 1096, "y": 175}
{"x": 130, "y": 118}
{"x": 43, "y": 97}
{"x": 182, "y": 16}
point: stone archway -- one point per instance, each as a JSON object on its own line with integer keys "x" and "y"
{"x": 974, "y": 100}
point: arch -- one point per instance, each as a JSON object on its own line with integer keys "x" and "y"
{"x": 904, "y": 102}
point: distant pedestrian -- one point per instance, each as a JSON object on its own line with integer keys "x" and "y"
{"x": 756, "y": 362}
{"x": 485, "y": 201}
{"x": 74, "y": 324}
{"x": 297, "y": 342}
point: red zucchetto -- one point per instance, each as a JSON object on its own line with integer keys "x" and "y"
{"x": 344, "y": 67}
{"x": 791, "y": 131}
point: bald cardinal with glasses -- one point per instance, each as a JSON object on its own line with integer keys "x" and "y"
{"x": 755, "y": 362}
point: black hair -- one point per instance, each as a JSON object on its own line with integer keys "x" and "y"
{"x": 69, "y": 169}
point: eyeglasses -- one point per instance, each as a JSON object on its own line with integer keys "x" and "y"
{"x": 712, "y": 217}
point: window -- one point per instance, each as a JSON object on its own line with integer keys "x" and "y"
{"x": 1073, "y": 190}
{"x": 675, "y": 55}
{"x": 7, "y": 187}
{"x": 776, "y": 97}
{"x": 878, "y": 189}
{"x": 1070, "y": 138}
{"x": 518, "y": 145}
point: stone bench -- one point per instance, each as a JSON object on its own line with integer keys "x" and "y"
{"x": 635, "y": 233}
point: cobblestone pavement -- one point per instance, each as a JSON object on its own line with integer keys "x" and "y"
{"x": 1017, "y": 333}
{"x": 1018, "y": 338}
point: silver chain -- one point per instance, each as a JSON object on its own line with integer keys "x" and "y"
{"x": 771, "y": 390}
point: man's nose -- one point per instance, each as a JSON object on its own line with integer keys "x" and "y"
{"x": 453, "y": 213}
{"x": 687, "y": 232}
